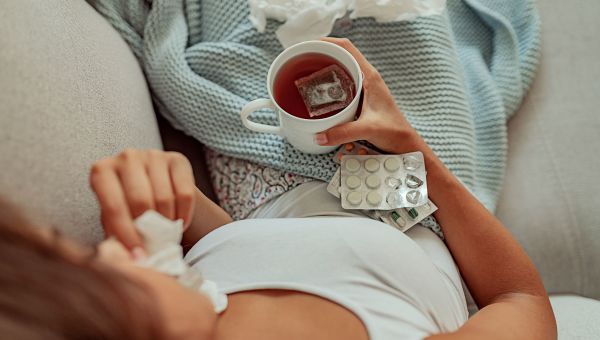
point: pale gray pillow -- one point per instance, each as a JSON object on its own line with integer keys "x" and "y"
{"x": 71, "y": 92}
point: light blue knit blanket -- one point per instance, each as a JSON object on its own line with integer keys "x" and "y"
{"x": 457, "y": 77}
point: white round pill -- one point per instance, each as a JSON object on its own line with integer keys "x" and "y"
{"x": 373, "y": 198}
{"x": 352, "y": 165}
{"x": 373, "y": 181}
{"x": 354, "y": 198}
{"x": 392, "y": 164}
{"x": 352, "y": 182}
{"x": 372, "y": 165}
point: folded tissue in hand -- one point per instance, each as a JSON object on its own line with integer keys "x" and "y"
{"x": 162, "y": 238}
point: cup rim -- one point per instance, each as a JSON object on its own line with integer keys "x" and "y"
{"x": 317, "y": 42}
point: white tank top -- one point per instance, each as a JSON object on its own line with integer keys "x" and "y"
{"x": 401, "y": 286}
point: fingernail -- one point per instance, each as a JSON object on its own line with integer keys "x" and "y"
{"x": 321, "y": 138}
{"x": 139, "y": 254}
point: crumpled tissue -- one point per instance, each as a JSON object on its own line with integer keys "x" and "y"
{"x": 162, "y": 238}
{"x": 313, "y": 19}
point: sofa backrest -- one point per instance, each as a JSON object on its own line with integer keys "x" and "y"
{"x": 71, "y": 92}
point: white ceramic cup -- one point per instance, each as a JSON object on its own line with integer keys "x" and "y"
{"x": 301, "y": 132}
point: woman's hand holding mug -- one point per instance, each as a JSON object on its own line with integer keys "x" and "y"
{"x": 298, "y": 131}
{"x": 381, "y": 122}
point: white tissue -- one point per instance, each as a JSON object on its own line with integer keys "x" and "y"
{"x": 313, "y": 19}
{"x": 162, "y": 238}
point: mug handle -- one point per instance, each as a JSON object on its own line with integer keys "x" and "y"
{"x": 257, "y": 105}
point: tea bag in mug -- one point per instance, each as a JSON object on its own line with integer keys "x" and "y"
{"x": 326, "y": 90}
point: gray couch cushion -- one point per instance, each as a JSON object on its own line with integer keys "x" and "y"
{"x": 550, "y": 200}
{"x": 576, "y": 317}
{"x": 71, "y": 92}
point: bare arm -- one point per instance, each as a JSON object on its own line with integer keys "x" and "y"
{"x": 498, "y": 272}
{"x": 207, "y": 217}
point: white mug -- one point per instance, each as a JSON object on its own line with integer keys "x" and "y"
{"x": 301, "y": 132}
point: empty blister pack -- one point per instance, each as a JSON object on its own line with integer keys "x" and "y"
{"x": 383, "y": 182}
{"x": 333, "y": 187}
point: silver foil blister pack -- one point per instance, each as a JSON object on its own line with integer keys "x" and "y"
{"x": 382, "y": 182}
{"x": 399, "y": 218}
{"x": 403, "y": 218}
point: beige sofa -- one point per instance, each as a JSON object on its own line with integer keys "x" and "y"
{"x": 71, "y": 92}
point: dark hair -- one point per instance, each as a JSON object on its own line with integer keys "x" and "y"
{"x": 47, "y": 293}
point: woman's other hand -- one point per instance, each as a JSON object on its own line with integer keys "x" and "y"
{"x": 134, "y": 181}
{"x": 381, "y": 122}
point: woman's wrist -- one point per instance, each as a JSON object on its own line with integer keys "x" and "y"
{"x": 403, "y": 139}
{"x": 207, "y": 217}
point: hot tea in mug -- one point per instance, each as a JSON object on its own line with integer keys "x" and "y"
{"x": 313, "y": 86}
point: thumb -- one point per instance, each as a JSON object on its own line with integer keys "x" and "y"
{"x": 343, "y": 133}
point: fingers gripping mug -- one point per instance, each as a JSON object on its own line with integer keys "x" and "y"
{"x": 300, "y": 131}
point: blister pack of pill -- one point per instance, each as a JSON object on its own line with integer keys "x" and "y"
{"x": 405, "y": 218}
{"x": 383, "y": 182}
{"x": 353, "y": 149}
{"x": 333, "y": 187}
{"x": 400, "y": 218}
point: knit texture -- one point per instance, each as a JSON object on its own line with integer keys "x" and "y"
{"x": 457, "y": 77}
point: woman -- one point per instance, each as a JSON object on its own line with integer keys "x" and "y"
{"x": 327, "y": 277}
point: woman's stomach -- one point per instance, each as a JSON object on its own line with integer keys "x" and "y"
{"x": 366, "y": 266}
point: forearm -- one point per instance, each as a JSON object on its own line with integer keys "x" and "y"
{"x": 499, "y": 274}
{"x": 207, "y": 217}
{"x": 490, "y": 260}
{"x": 516, "y": 316}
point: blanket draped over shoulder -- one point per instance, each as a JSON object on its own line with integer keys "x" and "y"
{"x": 458, "y": 77}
